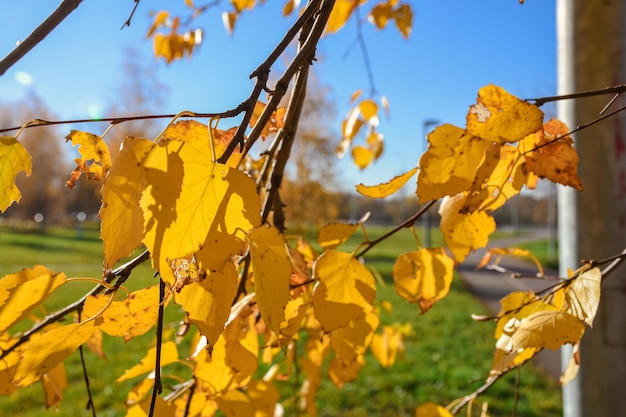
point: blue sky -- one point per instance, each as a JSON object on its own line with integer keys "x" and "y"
{"x": 455, "y": 48}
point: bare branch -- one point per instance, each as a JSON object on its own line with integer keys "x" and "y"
{"x": 37, "y": 35}
{"x": 616, "y": 89}
{"x": 132, "y": 13}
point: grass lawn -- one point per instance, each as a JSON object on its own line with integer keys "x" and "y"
{"x": 448, "y": 355}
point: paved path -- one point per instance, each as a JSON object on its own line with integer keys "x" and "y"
{"x": 490, "y": 286}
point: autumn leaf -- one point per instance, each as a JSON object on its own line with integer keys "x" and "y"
{"x": 432, "y": 410}
{"x": 208, "y": 301}
{"x": 120, "y": 209}
{"x": 54, "y": 384}
{"x": 42, "y": 354}
{"x": 264, "y": 396}
{"x": 22, "y": 291}
{"x": 351, "y": 341}
{"x": 582, "y": 296}
{"x": 235, "y": 404}
{"x": 290, "y": 6}
{"x": 362, "y": 156}
{"x": 547, "y": 328}
{"x": 169, "y": 354}
{"x": 501, "y": 176}
{"x": 276, "y": 121}
{"x": 449, "y": 165}
{"x": 500, "y": 253}
{"x": 341, "y": 372}
{"x": 333, "y": 235}
{"x": 342, "y": 10}
{"x": 500, "y": 117}
{"x": 192, "y": 205}
{"x": 403, "y": 16}
{"x": 241, "y": 5}
{"x": 14, "y": 158}
{"x": 387, "y": 345}
{"x": 345, "y": 289}
{"x": 272, "y": 274}
{"x": 95, "y": 159}
{"x": 128, "y": 318}
{"x": 388, "y": 188}
{"x": 556, "y": 161}
{"x": 464, "y": 233}
{"x": 423, "y": 276}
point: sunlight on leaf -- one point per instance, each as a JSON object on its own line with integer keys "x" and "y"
{"x": 342, "y": 10}
{"x": 128, "y": 318}
{"x": 14, "y": 158}
{"x": 345, "y": 289}
{"x": 557, "y": 161}
{"x": 500, "y": 117}
{"x": 464, "y": 233}
{"x": 42, "y": 354}
{"x": 95, "y": 159}
{"x": 449, "y": 165}
{"x": 423, "y": 276}
{"x": 351, "y": 341}
{"x": 120, "y": 209}
{"x": 334, "y": 234}
{"x": 272, "y": 274}
{"x": 388, "y": 188}
{"x": 22, "y": 291}
{"x": 582, "y": 297}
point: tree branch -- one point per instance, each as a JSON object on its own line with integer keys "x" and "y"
{"x": 158, "y": 386}
{"x": 616, "y": 89}
{"x": 132, "y": 13}
{"x": 37, "y": 35}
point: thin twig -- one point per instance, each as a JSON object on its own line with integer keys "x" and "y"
{"x": 158, "y": 386}
{"x": 122, "y": 271}
{"x": 407, "y": 223}
{"x": 363, "y": 47}
{"x": 616, "y": 89}
{"x": 516, "y": 391}
{"x": 304, "y": 56}
{"x": 579, "y": 128}
{"x": 132, "y": 13}
{"x": 37, "y": 35}
{"x": 90, "y": 405}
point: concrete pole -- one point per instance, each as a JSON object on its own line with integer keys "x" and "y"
{"x": 592, "y": 223}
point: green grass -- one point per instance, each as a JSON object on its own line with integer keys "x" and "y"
{"x": 540, "y": 249}
{"x": 447, "y": 357}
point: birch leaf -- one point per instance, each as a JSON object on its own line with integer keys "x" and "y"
{"x": 14, "y": 158}
{"x": 272, "y": 274}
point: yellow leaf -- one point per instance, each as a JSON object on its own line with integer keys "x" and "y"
{"x": 334, "y": 234}
{"x": 352, "y": 340}
{"x": 54, "y": 383}
{"x": 263, "y": 395}
{"x": 8, "y": 364}
{"x": 517, "y": 305}
{"x": 95, "y": 159}
{"x": 290, "y": 6}
{"x": 129, "y": 318}
{"x": 207, "y": 302}
{"x": 547, "y": 328}
{"x": 235, "y": 404}
{"x": 500, "y": 117}
{"x": 229, "y": 19}
{"x": 403, "y": 16}
{"x": 573, "y": 365}
{"x": 120, "y": 209}
{"x": 295, "y": 312}
{"x": 340, "y": 372}
{"x": 375, "y": 143}
{"x": 41, "y": 355}
{"x": 449, "y": 165}
{"x": 169, "y": 354}
{"x": 557, "y": 161}
{"x": 423, "y": 276}
{"x": 355, "y": 95}
{"x": 464, "y": 233}
{"x": 192, "y": 205}
{"x": 14, "y": 158}
{"x": 582, "y": 296}
{"x": 369, "y": 111}
{"x": 502, "y": 252}
{"x": 272, "y": 274}
{"x": 388, "y": 188}
{"x": 159, "y": 20}
{"x": 22, "y": 291}
{"x": 380, "y": 15}
{"x": 342, "y": 10}
{"x": 345, "y": 289}
{"x": 94, "y": 343}
{"x": 432, "y": 410}
{"x": 501, "y": 177}
{"x": 276, "y": 121}
{"x": 243, "y": 4}
{"x": 386, "y": 345}
{"x": 362, "y": 156}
